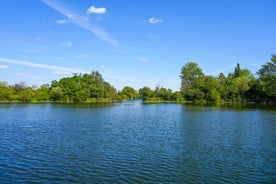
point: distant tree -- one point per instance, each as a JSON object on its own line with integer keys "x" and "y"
{"x": 205, "y": 88}
{"x": 42, "y": 93}
{"x": 163, "y": 93}
{"x": 177, "y": 96}
{"x": 5, "y": 92}
{"x": 56, "y": 93}
{"x": 267, "y": 78}
{"x": 238, "y": 84}
{"x": 83, "y": 87}
{"x": 18, "y": 87}
{"x": 22, "y": 92}
{"x": 145, "y": 93}
{"x": 26, "y": 94}
{"x": 189, "y": 72}
{"x": 237, "y": 71}
{"x": 130, "y": 92}
{"x": 223, "y": 87}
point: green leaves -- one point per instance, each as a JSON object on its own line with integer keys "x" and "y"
{"x": 189, "y": 73}
{"x": 267, "y": 78}
{"x": 198, "y": 87}
{"x": 130, "y": 93}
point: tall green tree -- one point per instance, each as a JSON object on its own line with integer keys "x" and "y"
{"x": 239, "y": 83}
{"x": 189, "y": 73}
{"x": 237, "y": 71}
{"x": 267, "y": 78}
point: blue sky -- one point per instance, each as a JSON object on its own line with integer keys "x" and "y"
{"x": 132, "y": 43}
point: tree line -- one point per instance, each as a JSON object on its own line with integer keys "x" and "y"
{"x": 237, "y": 87}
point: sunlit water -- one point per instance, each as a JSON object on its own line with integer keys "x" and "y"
{"x": 135, "y": 143}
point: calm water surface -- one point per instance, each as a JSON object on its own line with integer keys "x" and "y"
{"x": 135, "y": 143}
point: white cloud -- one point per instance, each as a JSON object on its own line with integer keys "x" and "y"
{"x": 61, "y": 21}
{"x": 58, "y": 72}
{"x": 255, "y": 64}
{"x": 144, "y": 60}
{"x": 43, "y": 66}
{"x": 27, "y": 76}
{"x": 95, "y": 10}
{"x": 3, "y": 67}
{"x": 81, "y": 22}
{"x": 67, "y": 44}
{"x": 154, "y": 20}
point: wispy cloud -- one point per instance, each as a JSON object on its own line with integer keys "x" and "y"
{"x": 67, "y": 44}
{"x": 32, "y": 50}
{"x": 221, "y": 70}
{"x": 61, "y": 21}
{"x": 3, "y": 67}
{"x": 95, "y": 10}
{"x": 81, "y": 56}
{"x": 60, "y": 58}
{"x": 144, "y": 60}
{"x": 154, "y": 36}
{"x": 43, "y": 66}
{"x": 255, "y": 64}
{"x": 81, "y": 22}
{"x": 154, "y": 20}
{"x": 27, "y": 76}
{"x": 39, "y": 38}
{"x": 58, "y": 72}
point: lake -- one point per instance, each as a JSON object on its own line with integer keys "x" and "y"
{"x": 135, "y": 143}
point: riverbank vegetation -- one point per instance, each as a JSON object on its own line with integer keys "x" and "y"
{"x": 237, "y": 87}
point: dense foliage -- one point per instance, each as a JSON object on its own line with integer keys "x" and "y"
{"x": 78, "y": 88}
{"x": 160, "y": 94}
{"x": 237, "y": 87}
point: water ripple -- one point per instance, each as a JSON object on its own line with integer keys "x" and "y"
{"x": 136, "y": 144}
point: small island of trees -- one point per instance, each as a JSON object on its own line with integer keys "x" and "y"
{"x": 240, "y": 86}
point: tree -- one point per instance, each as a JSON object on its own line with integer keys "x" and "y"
{"x": 189, "y": 73}
{"x": 177, "y": 96}
{"x": 130, "y": 92}
{"x": 237, "y": 71}
{"x": 164, "y": 94}
{"x": 56, "y": 93}
{"x": 267, "y": 78}
{"x": 206, "y": 88}
{"x": 26, "y": 94}
{"x": 22, "y": 92}
{"x": 223, "y": 87}
{"x": 84, "y": 87}
{"x": 145, "y": 93}
{"x": 238, "y": 83}
{"x": 5, "y": 92}
{"x": 42, "y": 93}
